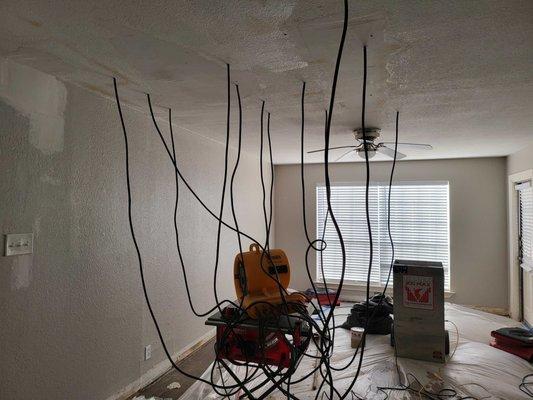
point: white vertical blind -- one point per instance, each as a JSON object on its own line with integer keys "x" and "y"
{"x": 419, "y": 228}
{"x": 525, "y": 196}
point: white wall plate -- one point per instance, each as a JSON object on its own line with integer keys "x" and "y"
{"x": 18, "y": 243}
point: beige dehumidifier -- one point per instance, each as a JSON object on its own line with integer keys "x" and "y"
{"x": 419, "y": 311}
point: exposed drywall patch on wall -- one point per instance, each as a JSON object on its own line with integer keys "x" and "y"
{"x": 40, "y": 97}
{"x": 21, "y": 272}
{"x": 46, "y": 133}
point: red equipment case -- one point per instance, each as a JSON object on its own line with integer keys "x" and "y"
{"x": 242, "y": 339}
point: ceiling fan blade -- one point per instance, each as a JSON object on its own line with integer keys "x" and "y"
{"x": 420, "y": 146}
{"x": 390, "y": 152}
{"x": 345, "y": 154}
{"x": 332, "y": 148}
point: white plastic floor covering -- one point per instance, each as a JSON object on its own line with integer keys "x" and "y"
{"x": 476, "y": 369}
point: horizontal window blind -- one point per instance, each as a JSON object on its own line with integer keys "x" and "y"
{"x": 419, "y": 227}
{"x": 525, "y": 196}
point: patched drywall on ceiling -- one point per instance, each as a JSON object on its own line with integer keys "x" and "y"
{"x": 459, "y": 72}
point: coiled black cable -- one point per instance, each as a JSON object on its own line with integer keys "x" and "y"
{"x": 136, "y": 245}
{"x": 326, "y": 346}
{"x": 526, "y": 385}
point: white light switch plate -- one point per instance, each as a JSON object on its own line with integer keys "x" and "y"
{"x": 18, "y": 243}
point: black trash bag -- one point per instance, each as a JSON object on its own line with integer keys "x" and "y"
{"x": 379, "y": 313}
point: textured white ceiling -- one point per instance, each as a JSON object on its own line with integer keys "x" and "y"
{"x": 459, "y": 72}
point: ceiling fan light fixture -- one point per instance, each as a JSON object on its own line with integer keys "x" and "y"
{"x": 371, "y": 153}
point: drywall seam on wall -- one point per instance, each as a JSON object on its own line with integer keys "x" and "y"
{"x": 40, "y": 97}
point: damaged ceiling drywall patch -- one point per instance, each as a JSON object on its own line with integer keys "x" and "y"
{"x": 40, "y": 97}
{"x": 450, "y": 70}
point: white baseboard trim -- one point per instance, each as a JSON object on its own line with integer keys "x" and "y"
{"x": 492, "y": 310}
{"x": 161, "y": 368}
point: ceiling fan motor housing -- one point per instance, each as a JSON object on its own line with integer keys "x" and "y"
{"x": 370, "y": 133}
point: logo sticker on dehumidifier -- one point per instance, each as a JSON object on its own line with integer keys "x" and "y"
{"x": 418, "y": 291}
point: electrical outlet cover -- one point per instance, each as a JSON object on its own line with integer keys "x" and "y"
{"x": 147, "y": 352}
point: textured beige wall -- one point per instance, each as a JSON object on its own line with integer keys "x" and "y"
{"x": 520, "y": 160}
{"x": 477, "y": 209}
{"x": 73, "y": 319}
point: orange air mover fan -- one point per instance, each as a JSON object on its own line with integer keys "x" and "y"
{"x": 256, "y": 276}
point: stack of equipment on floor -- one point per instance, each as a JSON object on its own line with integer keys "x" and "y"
{"x": 517, "y": 341}
{"x": 419, "y": 310}
{"x": 262, "y": 331}
{"x": 280, "y": 342}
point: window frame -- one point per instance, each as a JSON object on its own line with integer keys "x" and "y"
{"x": 359, "y": 285}
{"x": 512, "y": 240}
{"x": 525, "y": 264}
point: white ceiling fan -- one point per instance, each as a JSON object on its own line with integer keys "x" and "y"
{"x": 372, "y": 134}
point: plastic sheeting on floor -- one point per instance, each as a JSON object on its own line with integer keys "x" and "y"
{"x": 476, "y": 369}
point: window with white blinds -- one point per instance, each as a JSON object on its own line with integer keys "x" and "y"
{"x": 420, "y": 228}
{"x": 525, "y": 198}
